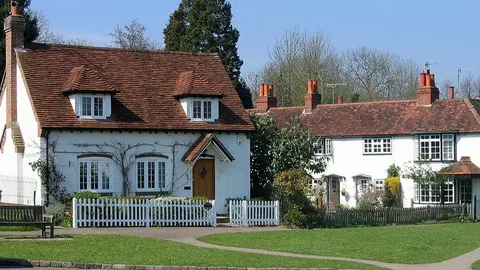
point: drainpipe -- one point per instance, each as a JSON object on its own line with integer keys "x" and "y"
{"x": 47, "y": 136}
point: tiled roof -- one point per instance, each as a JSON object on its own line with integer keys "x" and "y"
{"x": 463, "y": 167}
{"x": 201, "y": 144}
{"x": 386, "y": 117}
{"x": 145, "y": 81}
{"x": 190, "y": 83}
{"x": 84, "y": 79}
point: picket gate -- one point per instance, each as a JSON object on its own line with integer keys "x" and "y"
{"x": 254, "y": 213}
{"x": 142, "y": 213}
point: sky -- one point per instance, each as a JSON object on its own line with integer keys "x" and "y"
{"x": 443, "y": 32}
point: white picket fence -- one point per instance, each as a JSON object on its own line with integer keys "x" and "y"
{"x": 256, "y": 213}
{"x": 143, "y": 213}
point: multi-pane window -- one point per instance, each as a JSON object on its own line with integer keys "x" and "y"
{"x": 92, "y": 106}
{"x": 437, "y": 147}
{"x": 94, "y": 175}
{"x": 464, "y": 190}
{"x": 207, "y": 109}
{"x": 363, "y": 183}
{"x": 197, "y": 109}
{"x": 202, "y": 110}
{"x": 151, "y": 175}
{"x": 379, "y": 183}
{"x": 97, "y": 106}
{"x": 431, "y": 194}
{"x": 324, "y": 146}
{"x": 377, "y": 146}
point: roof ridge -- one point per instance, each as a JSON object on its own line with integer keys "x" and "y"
{"x": 103, "y": 48}
{"x": 370, "y": 102}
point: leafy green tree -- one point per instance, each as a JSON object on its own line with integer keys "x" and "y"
{"x": 261, "y": 148}
{"x": 275, "y": 150}
{"x": 206, "y": 26}
{"x": 31, "y": 31}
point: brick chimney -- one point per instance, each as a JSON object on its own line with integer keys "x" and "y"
{"x": 312, "y": 98}
{"x": 427, "y": 92}
{"x": 14, "y": 27}
{"x": 340, "y": 100}
{"x": 451, "y": 92}
{"x": 265, "y": 99}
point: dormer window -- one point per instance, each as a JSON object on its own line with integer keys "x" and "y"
{"x": 91, "y": 106}
{"x": 202, "y": 110}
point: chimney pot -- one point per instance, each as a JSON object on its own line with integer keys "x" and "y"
{"x": 422, "y": 79}
{"x": 451, "y": 92}
{"x": 315, "y": 86}
{"x": 15, "y": 8}
{"x": 260, "y": 91}
{"x": 309, "y": 86}
{"x": 432, "y": 78}
{"x": 428, "y": 80}
{"x": 427, "y": 71}
{"x": 340, "y": 100}
{"x": 270, "y": 90}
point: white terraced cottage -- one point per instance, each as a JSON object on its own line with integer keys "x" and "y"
{"x": 178, "y": 113}
{"x": 363, "y": 139}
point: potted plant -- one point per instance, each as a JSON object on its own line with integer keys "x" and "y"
{"x": 343, "y": 191}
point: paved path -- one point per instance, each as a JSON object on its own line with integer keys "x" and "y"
{"x": 189, "y": 236}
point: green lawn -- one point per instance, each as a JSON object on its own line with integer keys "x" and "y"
{"x": 399, "y": 244}
{"x": 18, "y": 228}
{"x": 116, "y": 249}
{"x": 476, "y": 265}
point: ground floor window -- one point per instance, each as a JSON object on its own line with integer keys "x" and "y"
{"x": 150, "y": 175}
{"x": 432, "y": 194}
{"x": 95, "y": 175}
{"x": 464, "y": 190}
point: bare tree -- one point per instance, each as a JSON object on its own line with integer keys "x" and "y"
{"x": 469, "y": 86}
{"x": 295, "y": 57}
{"x": 50, "y": 36}
{"x": 253, "y": 79}
{"x": 132, "y": 36}
{"x": 377, "y": 75}
{"x": 443, "y": 87}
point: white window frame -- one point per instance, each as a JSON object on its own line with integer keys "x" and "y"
{"x": 103, "y": 178}
{"x": 430, "y": 194}
{"x": 160, "y": 174}
{"x": 325, "y": 146}
{"x": 377, "y": 146}
{"x": 444, "y": 143}
{"x": 363, "y": 183}
{"x": 207, "y": 110}
{"x": 78, "y": 102}
{"x": 379, "y": 184}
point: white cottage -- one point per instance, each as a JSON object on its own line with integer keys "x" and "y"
{"x": 363, "y": 139}
{"x": 175, "y": 118}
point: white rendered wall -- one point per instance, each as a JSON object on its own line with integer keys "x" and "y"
{"x": 232, "y": 179}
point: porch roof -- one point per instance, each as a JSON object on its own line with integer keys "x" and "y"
{"x": 202, "y": 144}
{"x": 464, "y": 166}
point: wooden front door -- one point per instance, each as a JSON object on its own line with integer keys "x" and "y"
{"x": 204, "y": 178}
{"x": 334, "y": 192}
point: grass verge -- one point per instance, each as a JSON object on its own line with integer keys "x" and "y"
{"x": 119, "y": 249}
{"x": 476, "y": 265}
{"x": 395, "y": 244}
{"x": 18, "y": 228}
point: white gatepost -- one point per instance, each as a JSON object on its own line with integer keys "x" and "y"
{"x": 147, "y": 210}
{"x": 74, "y": 213}
{"x": 276, "y": 213}
{"x": 244, "y": 213}
{"x": 214, "y": 215}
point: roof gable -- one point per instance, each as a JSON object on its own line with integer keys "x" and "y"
{"x": 145, "y": 81}
{"x": 191, "y": 83}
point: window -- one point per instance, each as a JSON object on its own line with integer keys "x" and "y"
{"x": 202, "y": 110}
{"x": 151, "y": 175}
{"x": 429, "y": 194}
{"x": 464, "y": 190}
{"x": 363, "y": 183}
{"x": 92, "y": 107}
{"x": 437, "y": 147}
{"x": 94, "y": 175}
{"x": 374, "y": 146}
{"x": 379, "y": 184}
{"x": 324, "y": 146}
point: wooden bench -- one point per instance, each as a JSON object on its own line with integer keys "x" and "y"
{"x": 24, "y": 215}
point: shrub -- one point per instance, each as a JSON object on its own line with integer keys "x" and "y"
{"x": 57, "y": 210}
{"x": 392, "y": 192}
{"x": 86, "y": 195}
{"x": 370, "y": 198}
{"x": 290, "y": 188}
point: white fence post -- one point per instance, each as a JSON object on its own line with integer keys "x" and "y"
{"x": 277, "y": 213}
{"x": 74, "y": 213}
{"x": 244, "y": 213}
{"x": 148, "y": 210}
{"x": 214, "y": 214}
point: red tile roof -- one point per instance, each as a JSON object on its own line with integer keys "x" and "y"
{"x": 386, "y": 117}
{"x": 145, "y": 81}
{"x": 84, "y": 79}
{"x": 201, "y": 144}
{"x": 463, "y": 167}
{"x": 191, "y": 83}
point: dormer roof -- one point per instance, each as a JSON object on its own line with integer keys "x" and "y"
{"x": 190, "y": 83}
{"x": 85, "y": 80}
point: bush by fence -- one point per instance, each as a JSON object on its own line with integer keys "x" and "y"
{"x": 387, "y": 216}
